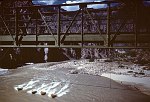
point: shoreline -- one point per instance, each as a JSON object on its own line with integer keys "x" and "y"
{"x": 135, "y": 87}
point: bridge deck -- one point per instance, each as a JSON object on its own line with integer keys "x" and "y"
{"x": 124, "y": 38}
{"x": 73, "y": 39}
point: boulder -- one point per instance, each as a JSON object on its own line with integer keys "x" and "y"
{"x": 34, "y": 92}
{"x": 121, "y": 66}
{"x": 146, "y": 68}
{"x": 53, "y": 95}
{"x": 141, "y": 73}
{"x": 74, "y": 72}
{"x": 91, "y": 60}
{"x": 43, "y": 93}
{"x": 130, "y": 71}
{"x": 19, "y": 88}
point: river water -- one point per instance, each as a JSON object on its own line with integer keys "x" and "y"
{"x": 55, "y": 79}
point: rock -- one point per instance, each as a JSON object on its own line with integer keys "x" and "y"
{"x": 141, "y": 73}
{"x": 74, "y": 72}
{"x": 136, "y": 73}
{"x": 34, "y": 92}
{"x": 131, "y": 68}
{"x": 130, "y": 71}
{"x": 108, "y": 60}
{"x": 126, "y": 60}
{"x": 121, "y": 66}
{"x": 141, "y": 62}
{"x": 91, "y": 60}
{"x": 53, "y": 95}
{"x": 147, "y": 65}
{"x": 75, "y": 63}
{"x": 43, "y": 93}
{"x": 146, "y": 68}
{"x": 19, "y": 88}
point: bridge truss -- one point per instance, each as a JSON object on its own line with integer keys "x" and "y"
{"x": 115, "y": 25}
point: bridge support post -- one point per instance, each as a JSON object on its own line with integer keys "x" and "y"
{"x": 82, "y": 7}
{"x": 16, "y": 27}
{"x": 136, "y": 24}
{"x": 36, "y": 15}
{"x": 108, "y": 26}
{"x": 82, "y": 26}
{"x": 58, "y": 26}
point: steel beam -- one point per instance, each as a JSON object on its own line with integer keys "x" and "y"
{"x": 49, "y": 29}
{"x": 16, "y": 26}
{"x": 99, "y": 31}
{"x": 82, "y": 25}
{"x": 63, "y": 38}
{"x": 58, "y": 26}
{"x": 72, "y": 46}
{"x": 124, "y": 38}
{"x": 36, "y": 25}
{"x": 108, "y": 25}
{"x": 136, "y": 24}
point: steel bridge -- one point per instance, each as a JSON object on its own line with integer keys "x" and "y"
{"x": 115, "y": 25}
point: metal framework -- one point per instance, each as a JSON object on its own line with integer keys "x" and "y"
{"x": 112, "y": 26}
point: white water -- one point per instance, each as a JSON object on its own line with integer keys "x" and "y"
{"x": 57, "y": 88}
{"x": 3, "y": 71}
